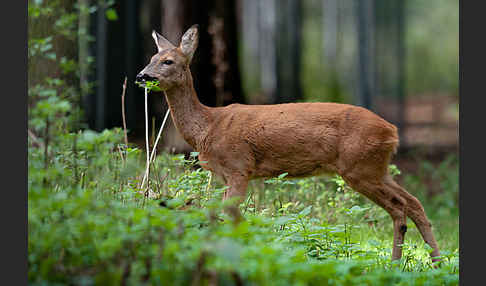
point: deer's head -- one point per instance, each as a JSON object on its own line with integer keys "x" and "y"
{"x": 170, "y": 64}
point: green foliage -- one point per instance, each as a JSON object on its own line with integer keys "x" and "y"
{"x": 446, "y": 178}
{"x": 109, "y": 233}
{"x": 102, "y": 229}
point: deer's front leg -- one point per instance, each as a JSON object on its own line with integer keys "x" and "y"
{"x": 237, "y": 184}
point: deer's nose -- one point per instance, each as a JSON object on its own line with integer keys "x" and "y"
{"x": 144, "y": 77}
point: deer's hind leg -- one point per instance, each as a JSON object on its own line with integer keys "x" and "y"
{"x": 416, "y": 212}
{"x": 394, "y": 204}
{"x": 366, "y": 174}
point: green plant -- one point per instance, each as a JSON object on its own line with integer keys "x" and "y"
{"x": 108, "y": 236}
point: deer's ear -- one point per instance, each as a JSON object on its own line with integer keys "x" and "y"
{"x": 161, "y": 42}
{"x": 190, "y": 41}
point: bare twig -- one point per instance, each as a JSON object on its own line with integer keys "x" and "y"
{"x": 121, "y": 153}
{"x": 152, "y": 155}
{"x": 123, "y": 112}
{"x": 152, "y": 137}
{"x": 46, "y": 144}
{"x": 163, "y": 178}
{"x": 209, "y": 182}
{"x": 35, "y": 140}
{"x": 147, "y": 170}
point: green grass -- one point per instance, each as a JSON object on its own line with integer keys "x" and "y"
{"x": 102, "y": 229}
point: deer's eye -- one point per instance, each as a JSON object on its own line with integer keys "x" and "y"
{"x": 168, "y": 62}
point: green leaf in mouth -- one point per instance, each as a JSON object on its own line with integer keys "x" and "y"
{"x": 149, "y": 85}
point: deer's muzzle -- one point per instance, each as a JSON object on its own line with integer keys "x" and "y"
{"x": 144, "y": 77}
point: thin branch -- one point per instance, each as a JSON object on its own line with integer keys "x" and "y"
{"x": 147, "y": 170}
{"x": 35, "y": 140}
{"x": 46, "y": 144}
{"x": 123, "y": 111}
{"x": 152, "y": 136}
{"x": 209, "y": 182}
{"x": 152, "y": 155}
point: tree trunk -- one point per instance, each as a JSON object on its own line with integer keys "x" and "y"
{"x": 365, "y": 59}
{"x": 390, "y": 50}
{"x": 268, "y": 61}
{"x": 288, "y": 51}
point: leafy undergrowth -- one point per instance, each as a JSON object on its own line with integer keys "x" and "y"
{"x": 95, "y": 226}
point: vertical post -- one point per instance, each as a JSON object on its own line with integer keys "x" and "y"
{"x": 83, "y": 49}
{"x": 288, "y": 51}
{"x": 267, "y": 19}
{"x": 330, "y": 32}
{"x": 130, "y": 60}
{"x": 249, "y": 58}
{"x": 228, "y": 65}
{"x": 100, "y": 67}
{"x": 400, "y": 56}
{"x": 83, "y": 54}
{"x": 365, "y": 71}
{"x": 250, "y": 34}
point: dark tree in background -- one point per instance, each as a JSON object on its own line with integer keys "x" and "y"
{"x": 217, "y": 53}
{"x": 331, "y": 32}
{"x": 288, "y": 51}
{"x": 390, "y": 60}
{"x": 366, "y": 72}
{"x": 266, "y": 27}
{"x": 272, "y": 41}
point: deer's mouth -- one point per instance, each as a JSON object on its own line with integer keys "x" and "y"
{"x": 142, "y": 78}
{"x": 148, "y": 82}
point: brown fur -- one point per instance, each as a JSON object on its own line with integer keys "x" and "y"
{"x": 244, "y": 142}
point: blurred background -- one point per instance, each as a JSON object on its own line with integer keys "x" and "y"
{"x": 398, "y": 58}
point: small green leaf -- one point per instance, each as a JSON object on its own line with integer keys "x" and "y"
{"x": 111, "y": 14}
{"x": 281, "y": 176}
{"x": 305, "y": 211}
{"x": 429, "y": 248}
{"x": 175, "y": 203}
{"x": 283, "y": 220}
{"x": 373, "y": 242}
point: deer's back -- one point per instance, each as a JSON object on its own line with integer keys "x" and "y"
{"x": 299, "y": 138}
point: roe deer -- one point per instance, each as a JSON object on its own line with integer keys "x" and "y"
{"x": 244, "y": 142}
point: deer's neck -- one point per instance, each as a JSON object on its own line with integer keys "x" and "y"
{"x": 190, "y": 116}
